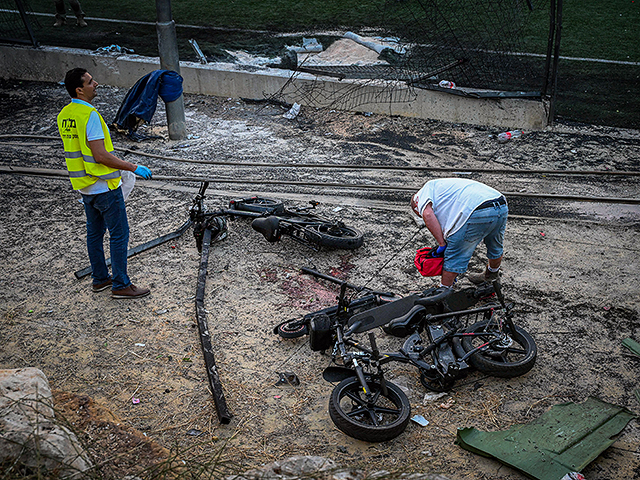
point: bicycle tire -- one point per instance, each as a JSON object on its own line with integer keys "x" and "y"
{"x": 257, "y": 205}
{"x": 384, "y": 420}
{"x": 505, "y": 361}
{"x": 330, "y": 235}
{"x": 292, "y": 329}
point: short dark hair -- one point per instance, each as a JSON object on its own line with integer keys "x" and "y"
{"x": 73, "y": 80}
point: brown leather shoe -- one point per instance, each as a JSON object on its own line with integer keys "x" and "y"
{"x": 98, "y": 287}
{"x": 130, "y": 292}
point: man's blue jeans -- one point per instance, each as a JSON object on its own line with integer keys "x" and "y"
{"x": 107, "y": 211}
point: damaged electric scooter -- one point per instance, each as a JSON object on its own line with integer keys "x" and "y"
{"x": 273, "y": 220}
{"x": 366, "y": 406}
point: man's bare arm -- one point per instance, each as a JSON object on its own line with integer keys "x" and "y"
{"x": 433, "y": 225}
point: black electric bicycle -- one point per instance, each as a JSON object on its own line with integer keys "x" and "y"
{"x": 273, "y": 219}
{"x": 366, "y": 406}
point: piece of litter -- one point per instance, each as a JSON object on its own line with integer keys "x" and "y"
{"x": 288, "y": 378}
{"x": 30, "y": 311}
{"x": 337, "y": 209}
{"x": 160, "y": 312}
{"x": 430, "y": 397}
{"x": 448, "y": 404}
{"x": 607, "y": 308}
{"x": 135, "y": 400}
{"x": 420, "y": 420}
{"x": 293, "y": 112}
{"x": 277, "y": 397}
{"x": 573, "y": 476}
{"x": 542, "y": 234}
{"x": 140, "y": 345}
{"x": 194, "y": 432}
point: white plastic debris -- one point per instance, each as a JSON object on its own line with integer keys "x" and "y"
{"x": 420, "y": 420}
{"x": 293, "y": 112}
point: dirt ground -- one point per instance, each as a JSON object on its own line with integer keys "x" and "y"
{"x": 570, "y": 267}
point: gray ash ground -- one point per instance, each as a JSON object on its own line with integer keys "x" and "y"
{"x": 571, "y": 268}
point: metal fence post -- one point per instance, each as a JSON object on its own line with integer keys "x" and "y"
{"x": 169, "y": 60}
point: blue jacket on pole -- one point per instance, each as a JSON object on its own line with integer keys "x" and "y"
{"x": 140, "y": 103}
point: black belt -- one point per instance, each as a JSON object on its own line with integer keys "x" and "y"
{"x": 491, "y": 203}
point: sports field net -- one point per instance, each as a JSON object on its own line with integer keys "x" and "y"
{"x": 474, "y": 43}
{"x": 477, "y": 44}
{"x": 16, "y": 23}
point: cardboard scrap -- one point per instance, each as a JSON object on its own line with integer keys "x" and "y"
{"x": 565, "y": 439}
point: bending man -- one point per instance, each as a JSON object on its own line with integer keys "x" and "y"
{"x": 95, "y": 171}
{"x": 460, "y": 214}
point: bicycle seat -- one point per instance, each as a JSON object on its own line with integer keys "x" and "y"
{"x": 406, "y": 324}
{"x": 269, "y": 227}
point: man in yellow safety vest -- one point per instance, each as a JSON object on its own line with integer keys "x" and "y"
{"x": 95, "y": 172}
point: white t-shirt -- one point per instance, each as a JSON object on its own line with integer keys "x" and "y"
{"x": 453, "y": 200}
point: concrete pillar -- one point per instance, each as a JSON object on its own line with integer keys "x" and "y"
{"x": 169, "y": 60}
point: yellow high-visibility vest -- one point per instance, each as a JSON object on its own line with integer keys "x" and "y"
{"x": 83, "y": 169}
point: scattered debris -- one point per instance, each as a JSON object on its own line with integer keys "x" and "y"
{"x": 448, "y": 404}
{"x": 194, "y": 432}
{"x": 114, "y": 49}
{"x": 420, "y": 420}
{"x": 430, "y": 397}
{"x": 293, "y": 112}
{"x": 135, "y": 400}
{"x": 196, "y": 48}
{"x": 309, "y": 45}
{"x": 563, "y": 440}
{"x": 288, "y": 378}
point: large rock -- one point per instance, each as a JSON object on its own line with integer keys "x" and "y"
{"x": 30, "y": 434}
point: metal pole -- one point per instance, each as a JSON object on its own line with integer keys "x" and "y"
{"x": 554, "y": 68}
{"x": 169, "y": 60}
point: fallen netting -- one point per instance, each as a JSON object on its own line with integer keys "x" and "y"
{"x": 564, "y": 439}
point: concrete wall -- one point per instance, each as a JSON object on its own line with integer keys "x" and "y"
{"x": 230, "y": 80}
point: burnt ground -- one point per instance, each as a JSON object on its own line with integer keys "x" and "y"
{"x": 571, "y": 268}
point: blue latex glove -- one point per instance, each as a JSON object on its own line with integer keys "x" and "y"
{"x": 438, "y": 252}
{"x": 143, "y": 172}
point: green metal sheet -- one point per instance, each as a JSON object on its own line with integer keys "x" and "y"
{"x": 564, "y": 439}
{"x": 632, "y": 345}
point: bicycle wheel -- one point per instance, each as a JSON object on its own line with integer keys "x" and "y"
{"x": 331, "y": 235}
{"x": 292, "y": 329}
{"x": 257, "y": 204}
{"x": 383, "y": 418}
{"x": 515, "y": 355}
